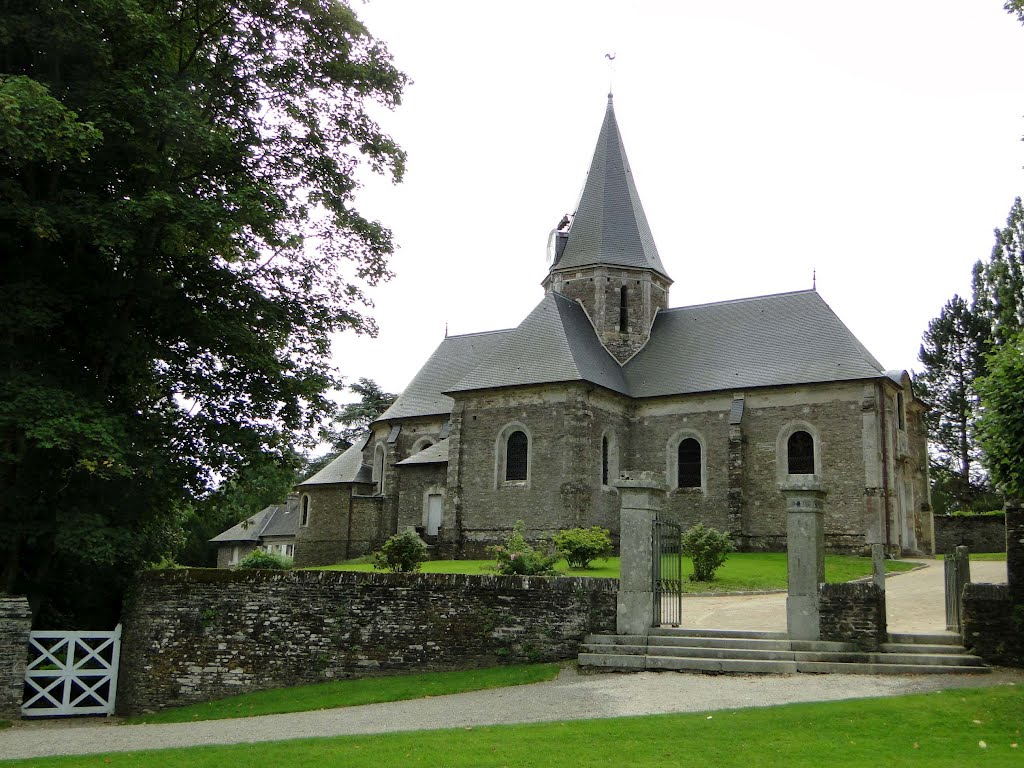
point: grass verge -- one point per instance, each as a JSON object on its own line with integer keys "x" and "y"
{"x": 350, "y": 693}
{"x": 951, "y": 729}
{"x": 982, "y": 556}
{"x": 742, "y": 572}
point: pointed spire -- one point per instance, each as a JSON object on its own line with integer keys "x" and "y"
{"x": 610, "y": 226}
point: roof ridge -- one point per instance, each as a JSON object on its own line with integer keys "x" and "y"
{"x": 742, "y": 299}
{"x": 479, "y": 333}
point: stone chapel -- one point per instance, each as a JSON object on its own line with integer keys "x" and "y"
{"x": 731, "y": 402}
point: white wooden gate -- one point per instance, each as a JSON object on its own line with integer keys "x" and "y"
{"x": 71, "y": 673}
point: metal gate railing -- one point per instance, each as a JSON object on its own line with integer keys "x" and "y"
{"x": 957, "y": 567}
{"x": 71, "y": 673}
{"x": 667, "y": 573}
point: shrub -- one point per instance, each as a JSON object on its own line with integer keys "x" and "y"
{"x": 260, "y": 559}
{"x": 402, "y": 553}
{"x": 517, "y": 558}
{"x": 708, "y": 549}
{"x": 581, "y": 545}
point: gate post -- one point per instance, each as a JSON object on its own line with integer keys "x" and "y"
{"x": 1015, "y": 549}
{"x": 15, "y": 625}
{"x": 640, "y": 497}
{"x": 805, "y": 546}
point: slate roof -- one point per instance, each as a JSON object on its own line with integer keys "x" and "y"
{"x": 432, "y": 454}
{"x": 454, "y": 358}
{"x": 610, "y": 226}
{"x": 556, "y": 342}
{"x": 275, "y": 520}
{"x": 788, "y": 338}
{"x": 347, "y": 468}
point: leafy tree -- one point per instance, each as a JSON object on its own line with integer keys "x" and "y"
{"x": 176, "y": 189}
{"x": 1002, "y": 422}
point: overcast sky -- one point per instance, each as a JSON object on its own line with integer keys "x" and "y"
{"x": 877, "y": 142}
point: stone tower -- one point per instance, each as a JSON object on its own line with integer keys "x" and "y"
{"x": 606, "y": 259}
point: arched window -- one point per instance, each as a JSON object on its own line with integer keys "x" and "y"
{"x": 305, "y": 510}
{"x": 689, "y": 463}
{"x": 800, "y": 453}
{"x": 377, "y": 473}
{"x": 517, "y": 449}
{"x": 604, "y": 460}
{"x": 623, "y": 314}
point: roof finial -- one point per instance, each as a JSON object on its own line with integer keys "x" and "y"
{"x": 814, "y": 279}
{"x": 446, "y": 330}
{"x": 611, "y": 72}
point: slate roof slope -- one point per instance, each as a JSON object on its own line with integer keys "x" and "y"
{"x": 275, "y": 520}
{"x": 347, "y": 468}
{"x": 556, "y": 342}
{"x": 432, "y": 454}
{"x": 788, "y": 338}
{"x": 609, "y": 226}
{"x": 454, "y": 358}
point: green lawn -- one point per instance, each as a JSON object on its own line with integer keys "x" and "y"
{"x": 350, "y": 693}
{"x": 983, "y": 556}
{"x": 743, "y": 571}
{"x": 950, "y": 729}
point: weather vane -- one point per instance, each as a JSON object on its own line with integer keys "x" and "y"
{"x": 611, "y": 70}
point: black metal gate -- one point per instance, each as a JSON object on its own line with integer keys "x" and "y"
{"x": 667, "y": 573}
{"x": 958, "y": 572}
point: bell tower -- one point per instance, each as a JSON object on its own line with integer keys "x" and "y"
{"x": 604, "y": 256}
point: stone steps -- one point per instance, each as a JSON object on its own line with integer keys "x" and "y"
{"x": 704, "y": 650}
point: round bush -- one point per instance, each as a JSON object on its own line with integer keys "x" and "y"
{"x": 402, "y": 553}
{"x": 579, "y": 546}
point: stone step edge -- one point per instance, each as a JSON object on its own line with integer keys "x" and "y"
{"x": 677, "y": 663}
{"x": 744, "y": 654}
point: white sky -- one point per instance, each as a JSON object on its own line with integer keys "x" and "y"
{"x": 878, "y": 142}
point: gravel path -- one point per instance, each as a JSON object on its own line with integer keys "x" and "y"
{"x": 572, "y": 696}
{"x": 916, "y": 595}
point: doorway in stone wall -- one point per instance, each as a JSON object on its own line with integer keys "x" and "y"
{"x": 435, "y": 513}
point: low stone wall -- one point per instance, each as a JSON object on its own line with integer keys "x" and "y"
{"x": 195, "y": 635}
{"x": 15, "y": 625}
{"x": 982, "y": 533}
{"x": 991, "y": 625}
{"x": 853, "y": 613}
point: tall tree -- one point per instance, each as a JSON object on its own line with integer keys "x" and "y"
{"x": 351, "y": 420}
{"x": 952, "y": 351}
{"x": 176, "y": 189}
{"x": 999, "y": 283}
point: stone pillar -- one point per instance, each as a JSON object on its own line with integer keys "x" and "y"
{"x": 1015, "y": 549}
{"x": 878, "y": 565}
{"x": 15, "y": 625}
{"x": 640, "y": 495}
{"x": 805, "y": 544}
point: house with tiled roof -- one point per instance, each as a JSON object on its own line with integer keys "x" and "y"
{"x": 730, "y": 402}
{"x": 271, "y": 529}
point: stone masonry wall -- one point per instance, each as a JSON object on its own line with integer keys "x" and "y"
{"x": 15, "y": 625}
{"x": 564, "y": 424}
{"x": 992, "y": 626}
{"x": 342, "y": 525}
{"x": 853, "y": 613}
{"x": 195, "y": 635}
{"x": 983, "y": 533}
